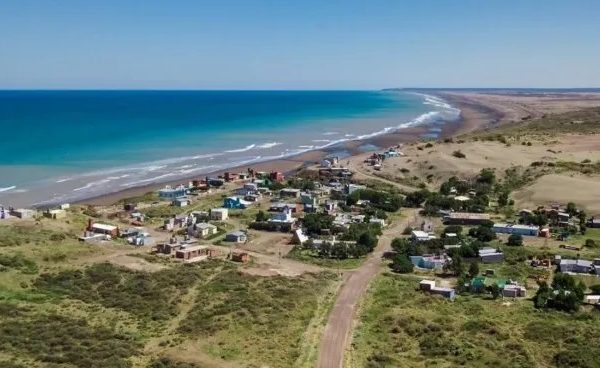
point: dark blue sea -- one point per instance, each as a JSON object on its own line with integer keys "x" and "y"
{"x": 67, "y": 145}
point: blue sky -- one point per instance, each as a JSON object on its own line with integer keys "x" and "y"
{"x": 300, "y": 44}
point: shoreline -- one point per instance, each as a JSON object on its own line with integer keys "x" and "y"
{"x": 473, "y": 116}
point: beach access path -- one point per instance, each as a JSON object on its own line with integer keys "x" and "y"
{"x": 337, "y": 334}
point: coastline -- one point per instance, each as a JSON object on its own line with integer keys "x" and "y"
{"x": 473, "y": 116}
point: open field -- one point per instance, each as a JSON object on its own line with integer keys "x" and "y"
{"x": 402, "y": 327}
{"x": 561, "y": 188}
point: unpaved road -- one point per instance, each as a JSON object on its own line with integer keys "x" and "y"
{"x": 339, "y": 325}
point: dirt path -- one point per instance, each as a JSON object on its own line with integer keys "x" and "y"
{"x": 271, "y": 265}
{"x": 339, "y": 325}
{"x": 357, "y": 167}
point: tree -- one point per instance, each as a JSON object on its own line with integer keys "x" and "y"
{"x": 407, "y": 230}
{"x": 473, "y": 269}
{"x": 487, "y": 176}
{"x": 482, "y": 233}
{"x": 544, "y": 293}
{"x": 515, "y": 240}
{"x": 494, "y": 289}
{"x": 455, "y": 266}
{"x": 415, "y": 199}
{"x": 368, "y": 240}
{"x": 262, "y": 216}
{"x": 590, "y": 243}
{"x": 401, "y": 264}
{"x": 571, "y": 209}
{"x": 503, "y": 199}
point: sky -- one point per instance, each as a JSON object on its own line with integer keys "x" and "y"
{"x": 298, "y": 44}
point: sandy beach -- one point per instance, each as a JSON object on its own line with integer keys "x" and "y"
{"x": 478, "y": 111}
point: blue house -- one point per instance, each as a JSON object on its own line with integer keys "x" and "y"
{"x": 428, "y": 262}
{"x": 525, "y": 230}
{"x": 171, "y": 193}
{"x": 234, "y": 203}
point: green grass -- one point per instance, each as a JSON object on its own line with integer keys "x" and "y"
{"x": 402, "y": 327}
{"x": 27, "y": 233}
{"x": 257, "y": 321}
{"x": 63, "y": 341}
{"x": 147, "y": 295}
{"x": 309, "y": 256}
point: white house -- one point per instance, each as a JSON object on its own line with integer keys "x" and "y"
{"x": 219, "y": 214}
{"x": 418, "y": 235}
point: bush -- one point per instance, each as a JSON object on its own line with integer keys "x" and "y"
{"x": 401, "y": 264}
{"x": 458, "y": 154}
{"x": 407, "y": 230}
{"x": 515, "y": 240}
{"x": 590, "y": 243}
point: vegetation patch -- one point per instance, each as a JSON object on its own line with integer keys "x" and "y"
{"x": 64, "y": 341}
{"x": 257, "y": 320}
{"x": 149, "y": 295}
{"x": 403, "y": 327}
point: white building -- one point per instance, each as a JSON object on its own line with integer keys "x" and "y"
{"x": 219, "y": 214}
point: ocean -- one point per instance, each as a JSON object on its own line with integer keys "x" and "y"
{"x": 59, "y": 146}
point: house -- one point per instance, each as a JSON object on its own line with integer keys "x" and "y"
{"x": 171, "y": 193}
{"x": 241, "y": 257}
{"x": 326, "y": 164}
{"x": 235, "y": 203}
{"x": 480, "y": 284}
{"x": 219, "y": 214}
{"x": 191, "y": 254}
{"x": 593, "y": 223}
{"x": 236, "y": 237}
{"x": 276, "y": 176}
{"x": 429, "y": 262}
{"x": 351, "y": 188}
{"x": 466, "y": 218}
{"x": 575, "y": 265}
{"x": 299, "y": 237}
{"x": 248, "y": 189}
{"x": 280, "y": 207}
{"x": 141, "y": 239}
{"x": 290, "y": 192}
{"x": 200, "y": 215}
{"x": 202, "y": 230}
{"x": 55, "y": 214}
{"x": 180, "y": 202}
{"x": 284, "y": 217}
{"x": 514, "y": 290}
{"x": 23, "y": 213}
{"x": 98, "y": 228}
{"x": 375, "y": 220}
{"x": 525, "y": 230}
{"x": 229, "y": 176}
{"x": 419, "y": 236}
{"x": 309, "y": 199}
{"x": 591, "y": 299}
{"x": 490, "y": 255}
{"x": 330, "y": 207}
{"x": 429, "y": 286}
{"x": 90, "y": 237}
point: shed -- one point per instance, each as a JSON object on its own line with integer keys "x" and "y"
{"x": 236, "y": 237}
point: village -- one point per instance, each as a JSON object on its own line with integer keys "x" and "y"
{"x": 322, "y": 216}
{"x": 456, "y": 242}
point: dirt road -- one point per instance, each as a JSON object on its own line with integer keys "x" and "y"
{"x": 339, "y": 325}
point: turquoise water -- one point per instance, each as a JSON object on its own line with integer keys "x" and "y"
{"x": 93, "y": 142}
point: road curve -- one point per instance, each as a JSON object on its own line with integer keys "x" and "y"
{"x": 337, "y": 332}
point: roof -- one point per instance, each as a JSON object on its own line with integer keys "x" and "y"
{"x": 192, "y": 248}
{"x": 517, "y": 226}
{"x": 578, "y": 262}
{"x": 469, "y": 216}
{"x": 488, "y": 251}
{"x": 204, "y": 225}
{"x": 219, "y": 209}
{"x": 420, "y": 234}
{"x": 237, "y": 233}
{"x": 104, "y": 227}
{"x": 462, "y": 198}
